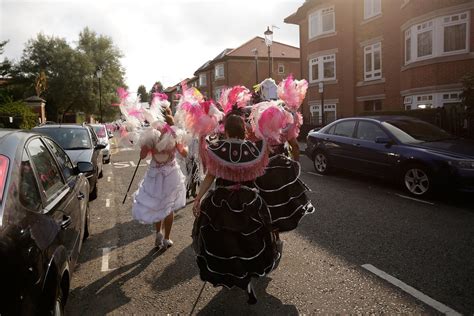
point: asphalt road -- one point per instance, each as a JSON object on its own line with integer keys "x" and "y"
{"x": 427, "y": 245}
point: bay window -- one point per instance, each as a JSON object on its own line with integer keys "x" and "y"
{"x": 321, "y": 22}
{"x": 445, "y": 35}
{"x": 322, "y": 68}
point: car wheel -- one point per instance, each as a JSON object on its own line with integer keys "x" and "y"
{"x": 86, "y": 224}
{"x": 93, "y": 194}
{"x": 416, "y": 179}
{"x": 320, "y": 162}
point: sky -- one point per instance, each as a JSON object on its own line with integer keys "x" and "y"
{"x": 161, "y": 40}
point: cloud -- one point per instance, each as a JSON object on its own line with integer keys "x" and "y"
{"x": 160, "y": 40}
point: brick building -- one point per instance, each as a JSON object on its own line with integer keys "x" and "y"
{"x": 383, "y": 55}
{"x": 247, "y": 65}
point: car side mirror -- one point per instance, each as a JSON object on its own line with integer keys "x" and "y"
{"x": 383, "y": 140}
{"x": 84, "y": 167}
{"x": 100, "y": 146}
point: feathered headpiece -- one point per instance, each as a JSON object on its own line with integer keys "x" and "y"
{"x": 197, "y": 116}
{"x": 268, "y": 120}
{"x": 292, "y": 92}
{"x": 237, "y": 95}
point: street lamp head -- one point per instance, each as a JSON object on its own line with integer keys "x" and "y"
{"x": 268, "y": 36}
{"x": 98, "y": 72}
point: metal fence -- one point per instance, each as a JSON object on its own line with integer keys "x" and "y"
{"x": 452, "y": 118}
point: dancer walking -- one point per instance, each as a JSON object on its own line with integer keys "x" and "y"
{"x": 232, "y": 233}
{"x": 281, "y": 186}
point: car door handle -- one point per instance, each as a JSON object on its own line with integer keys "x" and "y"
{"x": 81, "y": 196}
{"x": 66, "y": 222}
{"x": 356, "y": 144}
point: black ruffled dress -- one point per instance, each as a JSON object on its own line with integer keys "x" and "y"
{"x": 233, "y": 236}
{"x": 283, "y": 191}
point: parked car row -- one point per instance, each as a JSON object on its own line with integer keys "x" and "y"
{"x": 47, "y": 177}
{"x": 417, "y": 154}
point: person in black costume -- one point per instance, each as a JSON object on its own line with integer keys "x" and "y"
{"x": 281, "y": 186}
{"x": 232, "y": 234}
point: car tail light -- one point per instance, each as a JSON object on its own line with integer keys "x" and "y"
{"x": 3, "y": 174}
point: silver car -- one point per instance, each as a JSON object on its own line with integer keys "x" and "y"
{"x": 103, "y": 137}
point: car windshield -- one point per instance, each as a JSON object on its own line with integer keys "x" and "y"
{"x": 69, "y": 138}
{"x": 420, "y": 130}
{"x": 100, "y": 131}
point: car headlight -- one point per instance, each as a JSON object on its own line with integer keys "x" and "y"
{"x": 465, "y": 164}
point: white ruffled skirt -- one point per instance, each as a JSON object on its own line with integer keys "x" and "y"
{"x": 161, "y": 192}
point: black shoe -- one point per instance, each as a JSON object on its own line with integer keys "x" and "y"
{"x": 251, "y": 293}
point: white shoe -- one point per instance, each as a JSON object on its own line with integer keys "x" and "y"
{"x": 167, "y": 243}
{"x": 159, "y": 240}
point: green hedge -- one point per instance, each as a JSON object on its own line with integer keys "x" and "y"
{"x": 23, "y": 116}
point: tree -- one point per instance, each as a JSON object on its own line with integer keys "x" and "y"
{"x": 101, "y": 52}
{"x": 70, "y": 73}
{"x": 157, "y": 87}
{"x": 144, "y": 96}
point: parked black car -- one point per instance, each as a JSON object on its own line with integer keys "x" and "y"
{"x": 81, "y": 144}
{"x": 44, "y": 217}
{"x": 418, "y": 154}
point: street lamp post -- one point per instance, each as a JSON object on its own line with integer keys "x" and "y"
{"x": 99, "y": 76}
{"x": 268, "y": 41}
{"x": 255, "y": 52}
{"x": 321, "y": 90}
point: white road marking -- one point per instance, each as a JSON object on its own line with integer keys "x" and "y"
{"x": 121, "y": 165}
{"x": 108, "y": 179}
{"x": 107, "y": 202}
{"x": 412, "y": 291}
{"x": 314, "y": 173}
{"x": 105, "y": 259}
{"x": 132, "y": 164}
{"x": 414, "y": 199}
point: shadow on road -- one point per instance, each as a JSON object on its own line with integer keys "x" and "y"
{"x": 430, "y": 247}
{"x": 121, "y": 234}
{"x": 234, "y": 302}
{"x": 182, "y": 269}
{"x": 105, "y": 295}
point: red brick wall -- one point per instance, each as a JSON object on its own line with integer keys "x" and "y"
{"x": 352, "y": 30}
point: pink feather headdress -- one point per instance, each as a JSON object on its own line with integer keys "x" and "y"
{"x": 292, "y": 92}
{"x": 198, "y": 116}
{"x": 238, "y": 95}
{"x": 268, "y": 121}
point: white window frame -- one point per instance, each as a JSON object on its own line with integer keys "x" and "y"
{"x": 320, "y": 60}
{"x": 218, "y": 92}
{"x": 437, "y": 26}
{"x": 373, "y": 74}
{"x": 370, "y": 8}
{"x": 217, "y": 71}
{"x": 315, "y": 108}
{"x": 202, "y": 80}
{"x": 455, "y": 19}
{"x": 317, "y": 17}
{"x": 282, "y": 67}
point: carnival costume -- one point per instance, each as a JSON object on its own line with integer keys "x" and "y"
{"x": 281, "y": 186}
{"x": 162, "y": 189}
{"x": 232, "y": 236}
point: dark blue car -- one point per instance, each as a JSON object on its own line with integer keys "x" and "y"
{"x": 418, "y": 154}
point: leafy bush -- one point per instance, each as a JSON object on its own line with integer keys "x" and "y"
{"x": 23, "y": 116}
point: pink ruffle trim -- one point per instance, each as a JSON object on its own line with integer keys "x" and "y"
{"x": 233, "y": 171}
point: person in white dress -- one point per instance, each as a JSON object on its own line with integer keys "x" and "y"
{"x": 163, "y": 190}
